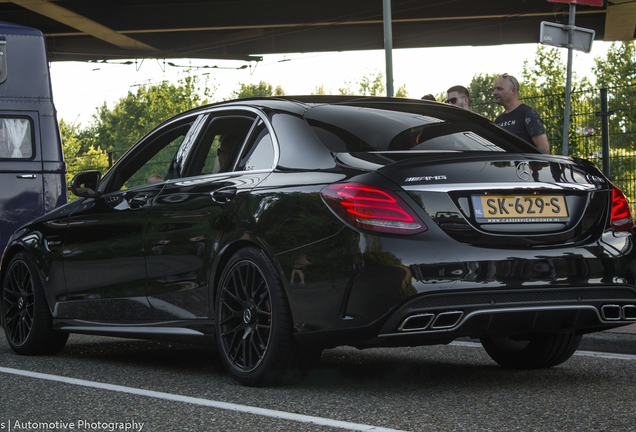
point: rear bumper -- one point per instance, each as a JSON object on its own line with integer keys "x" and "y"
{"x": 513, "y": 312}
{"x": 440, "y": 318}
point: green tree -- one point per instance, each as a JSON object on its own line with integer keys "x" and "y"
{"x": 371, "y": 85}
{"x": 320, "y": 90}
{"x": 401, "y": 92}
{"x": 617, "y": 73}
{"x": 117, "y": 129}
{"x": 546, "y": 76}
{"x": 481, "y": 100}
{"x": 262, "y": 89}
{"x": 77, "y": 156}
{"x": 619, "y": 68}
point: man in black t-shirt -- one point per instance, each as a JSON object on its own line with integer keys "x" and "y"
{"x": 517, "y": 117}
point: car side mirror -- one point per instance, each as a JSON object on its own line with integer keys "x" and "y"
{"x": 85, "y": 184}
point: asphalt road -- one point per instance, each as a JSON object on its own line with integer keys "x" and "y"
{"x": 107, "y": 384}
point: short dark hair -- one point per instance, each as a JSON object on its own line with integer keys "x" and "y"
{"x": 429, "y": 97}
{"x": 463, "y": 91}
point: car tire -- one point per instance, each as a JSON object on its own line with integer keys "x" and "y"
{"x": 254, "y": 329}
{"x": 27, "y": 320}
{"x": 534, "y": 352}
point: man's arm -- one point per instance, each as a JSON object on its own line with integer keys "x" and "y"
{"x": 541, "y": 142}
{"x": 534, "y": 127}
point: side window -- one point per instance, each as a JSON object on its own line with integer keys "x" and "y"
{"x": 153, "y": 162}
{"x": 16, "y": 138}
{"x": 222, "y": 141}
{"x": 156, "y": 169}
{"x": 259, "y": 152}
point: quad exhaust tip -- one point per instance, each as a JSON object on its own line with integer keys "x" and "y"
{"x": 612, "y": 312}
{"x": 429, "y": 321}
{"x": 629, "y": 312}
{"x": 450, "y": 319}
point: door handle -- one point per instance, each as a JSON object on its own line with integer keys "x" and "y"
{"x": 26, "y": 176}
{"x": 138, "y": 201}
{"x": 224, "y": 195}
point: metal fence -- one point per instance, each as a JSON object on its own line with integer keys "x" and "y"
{"x": 598, "y": 116}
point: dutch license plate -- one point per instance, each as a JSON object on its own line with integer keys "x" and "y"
{"x": 520, "y": 208}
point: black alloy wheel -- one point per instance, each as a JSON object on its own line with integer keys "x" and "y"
{"x": 254, "y": 326}
{"x": 532, "y": 352}
{"x": 25, "y": 313}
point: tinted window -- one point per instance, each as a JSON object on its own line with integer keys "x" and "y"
{"x": 370, "y": 129}
{"x": 153, "y": 160}
{"x": 259, "y": 152}
{"x": 16, "y": 139}
{"x": 221, "y": 143}
{"x": 156, "y": 169}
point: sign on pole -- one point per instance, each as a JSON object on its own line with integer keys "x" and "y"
{"x": 559, "y": 34}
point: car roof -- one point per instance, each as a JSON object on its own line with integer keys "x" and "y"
{"x": 309, "y": 100}
{"x": 298, "y": 104}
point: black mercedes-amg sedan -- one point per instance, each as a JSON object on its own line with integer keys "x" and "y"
{"x": 279, "y": 227}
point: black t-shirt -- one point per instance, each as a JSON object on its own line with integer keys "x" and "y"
{"x": 522, "y": 121}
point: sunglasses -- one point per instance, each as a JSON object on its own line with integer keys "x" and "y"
{"x": 452, "y": 100}
{"x": 513, "y": 80}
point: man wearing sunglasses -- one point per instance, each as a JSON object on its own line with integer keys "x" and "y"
{"x": 458, "y": 96}
{"x": 519, "y": 118}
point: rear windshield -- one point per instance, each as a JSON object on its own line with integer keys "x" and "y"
{"x": 408, "y": 128}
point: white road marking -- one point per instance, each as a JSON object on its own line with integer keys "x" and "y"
{"x": 466, "y": 344}
{"x": 254, "y": 410}
{"x": 614, "y": 356}
{"x": 605, "y": 355}
{"x": 203, "y": 402}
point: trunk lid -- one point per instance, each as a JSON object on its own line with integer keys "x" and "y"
{"x": 528, "y": 199}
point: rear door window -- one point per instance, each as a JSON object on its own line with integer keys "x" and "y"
{"x": 16, "y": 138}
{"x": 221, "y": 142}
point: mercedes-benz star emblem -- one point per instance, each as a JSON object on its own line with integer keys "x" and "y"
{"x": 247, "y": 316}
{"x": 523, "y": 171}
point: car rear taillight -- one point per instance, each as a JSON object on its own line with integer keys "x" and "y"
{"x": 372, "y": 209}
{"x": 621, "y": 216}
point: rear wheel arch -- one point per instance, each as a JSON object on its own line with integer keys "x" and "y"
{"x": 254, "y": 326}
{"x": 224, "y": 256}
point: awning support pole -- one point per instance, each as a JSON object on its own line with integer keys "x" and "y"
{"x": 568, "y": 84}
{"x": 388, "y": 46}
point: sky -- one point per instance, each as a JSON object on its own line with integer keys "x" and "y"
{"x": 80, "y": 87}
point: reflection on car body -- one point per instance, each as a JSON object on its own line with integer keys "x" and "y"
{"x": 333, "y": 221}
